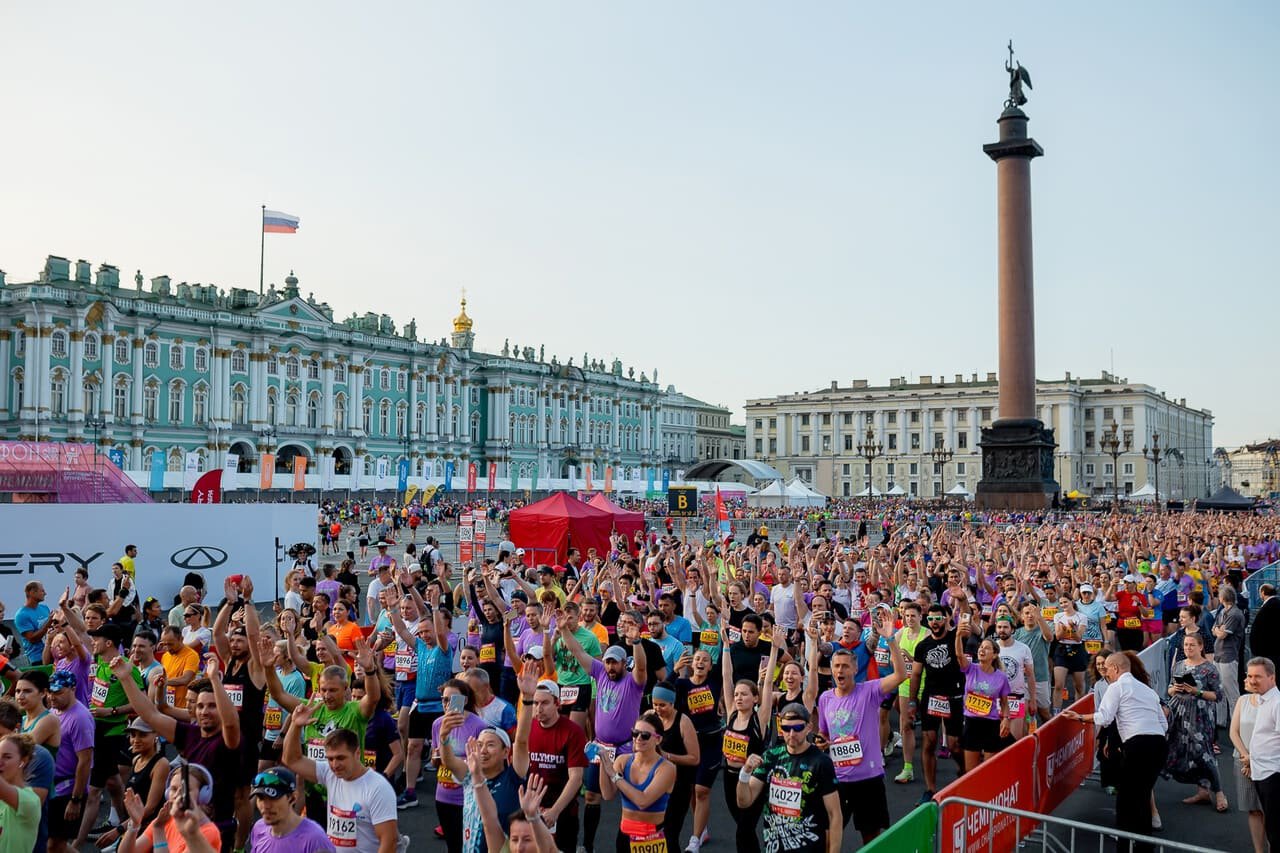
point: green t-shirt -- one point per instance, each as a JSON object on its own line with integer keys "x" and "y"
{"x": 908, "y": 645}
{"x": 1034, "y": 640}
{"x": 567, "y": 669}
{"x": 18, "y": 828}
{"x": 324, "y": 721}
{"x": 107, "y": 692}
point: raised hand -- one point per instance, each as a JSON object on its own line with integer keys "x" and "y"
{"x": 531, "y": 795}
{"x": 303, "y": 714}
{"x": 120, "y": 667}
{"x": 365, "y": 656}
{"x": 527, "y": 681}
{"x": 473, "y": 760}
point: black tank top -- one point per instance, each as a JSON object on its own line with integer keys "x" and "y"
{"x": 139, "y": 782}
{"x": 732, "y": 747}
{"x": 249, "y": 700}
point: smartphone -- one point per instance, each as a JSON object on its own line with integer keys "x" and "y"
{"x": 457, "y": 703}
{"x": 186, "y": 785}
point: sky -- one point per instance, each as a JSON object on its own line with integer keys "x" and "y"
{"x": 756, "y": 198}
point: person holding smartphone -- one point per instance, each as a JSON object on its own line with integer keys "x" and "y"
{"x": 459, "y": 724}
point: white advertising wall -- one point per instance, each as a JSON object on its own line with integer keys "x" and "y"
{"x": 48, "y": 542}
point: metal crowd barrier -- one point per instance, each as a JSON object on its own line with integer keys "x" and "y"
{"x": 1153, "y": 657}
{"x": 1072, "y": 831}
{"x": 1269, "y": 573}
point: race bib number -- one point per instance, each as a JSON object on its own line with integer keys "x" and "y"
{"x": 171, "y": 695}
{"x": 735, "y": 636}
{"x": 709, "y": 638}
{"x": 406, "y": 664}
{"x": 785, "y": 796}
{"x": 1182, "y": 599}
{"x": 1016, "y": 708}
{"x": 315, "y": 749}
{"x": 444, "y": 778}
{"x": 939, "y": 706}
{"x": 977, "y": 704}
{"x": 1131, "y": 623}
{"x": 272, "y": 723}
{"x": 342, "y": 827}
{"x": 1093, "y": 646}
{"x": 846, "y": 751}
{"x": 98, "y": 697}
{"x": 1048, "y": 613}
{"x": 701, "y": 700}
{"x": 882, "y": 656}
{"x": 1147, "y": 613}
{"x": 369, "y": 758}
{"x": 487, "y": 653}
{"x": 235, "y": 692}
{"x": 650, "y": 842}
{"x": 734, "y": 746}
{"x": 569, "y": 694}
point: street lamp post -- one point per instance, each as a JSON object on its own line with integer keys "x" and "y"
{"x": 268, "y": 433}
{"x": 1111, "y": 445}
{"x": 504, "y": 446}
{"x": 1152, "y": 454}
{"x": 97, "y": 425}
{"x": 870, "y": 449}
{"x": 941, "y": 456}
{"x": 406, "y": 440}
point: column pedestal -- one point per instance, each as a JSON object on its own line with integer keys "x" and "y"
{"x": 1017, "y": 466}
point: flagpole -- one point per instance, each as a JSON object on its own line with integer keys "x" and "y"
{"x": 262, "y": 250}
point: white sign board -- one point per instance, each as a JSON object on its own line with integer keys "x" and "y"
{"x": 48, "y": 542}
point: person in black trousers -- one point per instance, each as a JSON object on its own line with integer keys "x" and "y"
{"x": 1135, "y": 709}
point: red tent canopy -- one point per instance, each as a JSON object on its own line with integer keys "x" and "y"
{"x": 549, "y": 527}
{"x": 625, "y": 521}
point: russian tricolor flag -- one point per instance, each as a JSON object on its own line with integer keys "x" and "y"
{"x": 275, "y": 222}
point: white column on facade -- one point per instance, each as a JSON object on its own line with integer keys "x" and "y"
{"x": 216, "y": 383}
{"x": 464, "y": 406}
{"x": 136, "y": 390}
{"x": 657, "y": 427}
{"x": 644, "y": 427}
{"x": 355, "y": 407}
{"x": 75, "y": 394}
{"x": 975, "y": 429}
{"x": 491, "y": 407}
{"x": 107, "y": 347}
{"x": 540, "y": 430}
{"x": 951, "y": 428}
{"x": 5, "y": 378}
{"x": 783, "y": 432}
{"x": 225, "y": 384}
{"x": 46, "y": 369}
{"x": 617, "y": 423}
{"x": 326, "y": 393}
{"x": 30, "y": 393}
{"x": 432, "y": 435}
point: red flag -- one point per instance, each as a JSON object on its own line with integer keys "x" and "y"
{"x": 208, "y": 489}
{"x": 299, "y": 473}
{"x": 471, "y": 477}
{"x": 493, "y": 476}
{"x": 722, "y": 517}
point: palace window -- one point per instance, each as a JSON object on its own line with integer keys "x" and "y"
{"x": 122, "y": 351}
{"x": 239, "y": 361}
{"x": 58, "y": 344}
{"x": 176, "y": 357}
{"x": 151, "y": 354}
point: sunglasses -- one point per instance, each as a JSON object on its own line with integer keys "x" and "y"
{"x": 795, "y": 727}
{"x": 937, "y": 619}
{"x": 267, "y": 778}
{"x": 639, "y": 735}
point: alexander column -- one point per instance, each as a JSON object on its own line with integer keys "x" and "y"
{"x": 1017, "y": 450}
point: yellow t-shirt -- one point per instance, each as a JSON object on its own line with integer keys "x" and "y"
{"x": 176, "y": 666}
{"x": 127, "y": 563}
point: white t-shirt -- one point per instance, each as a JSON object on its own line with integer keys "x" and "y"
{"x": 204, "y": 634}
{"x": 784, "y": 605}
{"x": 1079, "y": 620}
{"x": 355, "y": 807}
{"x": 1015, "y": 658}
{"x": 373, "y": 605}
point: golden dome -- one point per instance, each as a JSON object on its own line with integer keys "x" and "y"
{"x": 462, "y": 323}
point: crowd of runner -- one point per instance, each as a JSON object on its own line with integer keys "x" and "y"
{"x": 516, "y": 699}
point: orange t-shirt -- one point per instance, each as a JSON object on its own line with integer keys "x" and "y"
{"x": 345, "y": 635}
{"x": 177, "y": 844}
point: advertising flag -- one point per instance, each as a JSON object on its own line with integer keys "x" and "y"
{"x": 652, "y": 476}
{"x": 192, "y": 470}
{"x": 116, "y": 455}
{"x": 382, "y": 474}
{"x": 353, "y": 476}
{"x": 402, "y": 476}
{"x": 230, "y": 468}
{"x": 534, "y": 485}
{"x": 586, "y": 475}
{"x": 328, "y": 464}
{"x": 722, "y": 517}
{"x": 608, "y": 478}
{"x": 267, "y": 467}
{"x": 448, "y": 476}
{"x": 157, "y": 470}
{"x": 666, "y": 479}
{"x": 208, "y": 489}
{"x": 471, "y": 476}
{"x": 299, "y": 472}
{"x": 573, "y": 478}
{"x": 493, "y": 476}
{"x": 409, "y": 493}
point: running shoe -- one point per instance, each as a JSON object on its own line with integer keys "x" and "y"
{"x": 944, "y": 753}
{"x": 905, "y": 776}
{"x": 407, "y": 800}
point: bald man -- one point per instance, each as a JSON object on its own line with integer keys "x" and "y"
{"x": 1135, "y": 709}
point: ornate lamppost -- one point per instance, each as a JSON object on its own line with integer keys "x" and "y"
{"x": 870, "y": 449}
{"x": 1111, "y": 445}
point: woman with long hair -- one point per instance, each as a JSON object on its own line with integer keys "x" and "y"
{"x": 150, "y": 770}
{"x": 1243, "y": 718}
{"x": 644, "y": 781}
{"x": 745, "y": 733}
{"x": 699, "y": 697}
{"x": 986, "y": 700}
{"x": 31, "y": 691}
{"x": 1193, "y": 693}
{"x": 19, "y": 805}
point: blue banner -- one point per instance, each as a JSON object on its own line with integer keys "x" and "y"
{"x": 402, "y": 483}
{"x": 666, "y": 479}
{"x": 448, "y": 476}
{"x": 157, "y": 470}
{"x": 116, "y": 455}
{"x": 653, "y": 475}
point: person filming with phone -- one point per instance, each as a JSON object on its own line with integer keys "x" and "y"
{"x": 182, "y": 824}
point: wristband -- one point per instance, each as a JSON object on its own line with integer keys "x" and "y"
{"x": 526, "y": 702}
{"x": 743, "y": 776}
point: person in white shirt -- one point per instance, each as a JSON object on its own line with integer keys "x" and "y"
{"x": 1262, "y": 762}
{"x": 361, "y": 803}
{"x": 1139, "y": 717}
{"x": 1019, "y": 668}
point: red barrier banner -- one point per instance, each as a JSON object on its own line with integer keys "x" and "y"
{"x": 208, "y": 489}
{"x": 471, "y": 477}
{"x": 1064, "y": 756}
{"x": 466, "y": 538}
{"x": 1006, "y": 780}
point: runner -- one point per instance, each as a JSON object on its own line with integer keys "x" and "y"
{"x": 643, "y": 781}
{"x": 1019, "y": 668}
{"x": 552, "y": 746}
{"x": 909, "y": 636}
{"x": 937, "y": 680}
{"x": 986, "y": 700}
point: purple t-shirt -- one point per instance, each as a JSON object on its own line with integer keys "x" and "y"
{"x": 617, "y": 706}
{"x": 79, "y": 667}
{"x": 988, "y": 685}
{"x": 851, "y": 724}
{"x": 448, "y": 789}
{"x": 308, "y": 837}
{"x": 77, "y": 734}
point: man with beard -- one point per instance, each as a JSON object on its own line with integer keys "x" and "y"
{"x": 941, "y": 699}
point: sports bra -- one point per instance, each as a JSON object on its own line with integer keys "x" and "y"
{"x": 659, "y": 805}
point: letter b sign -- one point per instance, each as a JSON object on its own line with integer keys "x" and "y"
{"x": 682, "y": 501}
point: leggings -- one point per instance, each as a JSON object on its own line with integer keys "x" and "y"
{"x": 451, "y": 823}
{"x": 678, "y": 806}
{"x": 745, "y": 819}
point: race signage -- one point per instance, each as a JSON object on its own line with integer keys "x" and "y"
{"x": 48, "y": 542}
{"x": 682, "y": 501}
{"x": 1006, "y": 780}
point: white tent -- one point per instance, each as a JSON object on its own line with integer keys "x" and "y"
{"x": 871, "y": 491}
{"x": 958, "y": 490}
{"x": 800, "y": 493}
{"x": 772, "y": 495}
{"x": 1146, "y": 493}
{"x": 896, "y": 491}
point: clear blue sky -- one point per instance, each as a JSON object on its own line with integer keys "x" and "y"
{"x": 754, "y": 197}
